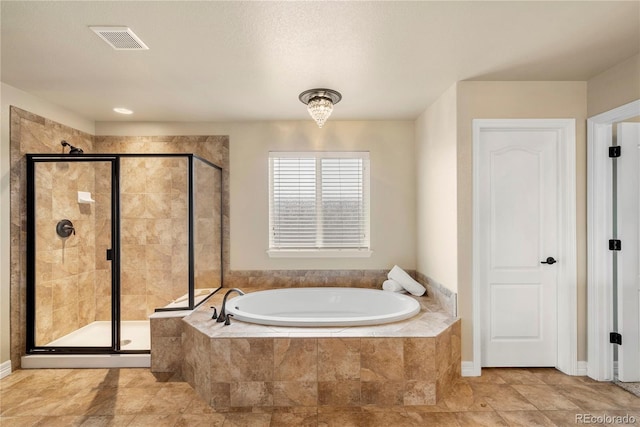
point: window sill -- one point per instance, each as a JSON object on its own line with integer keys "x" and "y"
{"x": 319, "y": 253}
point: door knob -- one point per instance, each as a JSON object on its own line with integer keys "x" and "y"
{"x": 549, "y": 261}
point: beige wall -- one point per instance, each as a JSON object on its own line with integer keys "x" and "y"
{"x": 486, "y": 100}
{"x": 615, "y": 87}
{"x": 12, "y": 96}
{"x": 436, "y": 191}
{"x": 391, "y": 147}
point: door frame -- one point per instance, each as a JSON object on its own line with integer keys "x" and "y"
{"x": 599, "y": 229}
{"x": 567, "y": 269}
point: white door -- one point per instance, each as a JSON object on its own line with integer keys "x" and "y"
{"x": 518, "y": 217}
{"x": 628, "y": 217}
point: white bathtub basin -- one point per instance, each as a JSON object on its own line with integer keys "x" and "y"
{"x": 316, "y": 307}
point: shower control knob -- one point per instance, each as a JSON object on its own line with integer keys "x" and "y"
{"x": 64, "y": 228}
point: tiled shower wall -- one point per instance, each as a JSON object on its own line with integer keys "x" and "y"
{"x": 215, "y": 149}
{"x": 207, "y": 226}
{"x": 65, "y": 267}
{"x": 102, "y": 231}
{"x": 31, "y": 133}
{"x": 154, "y": 229}
{"x": 34, "y": 134}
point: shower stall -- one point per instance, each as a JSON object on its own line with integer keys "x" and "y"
{"x": 113, "y": 238}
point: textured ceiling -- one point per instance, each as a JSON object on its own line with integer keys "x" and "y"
{"x": 218, "y": 61}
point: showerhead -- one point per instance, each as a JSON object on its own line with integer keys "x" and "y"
{"x": 72, "y": 149}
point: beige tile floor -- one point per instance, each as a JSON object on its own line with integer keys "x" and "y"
{"x": 135, "y": 397}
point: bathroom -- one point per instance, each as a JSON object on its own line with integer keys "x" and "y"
{"x": 391, "y": 148}
{"x": 421, "y": 162}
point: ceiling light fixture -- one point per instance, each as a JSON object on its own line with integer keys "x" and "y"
{"x": 121, "y": 110}
{"x": 320, "y": 103}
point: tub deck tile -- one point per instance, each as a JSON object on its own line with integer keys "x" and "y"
{"x": 410, "y": 363}
{"x": 430, "y": 322}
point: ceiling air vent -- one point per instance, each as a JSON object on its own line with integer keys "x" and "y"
{"x": 120, "y": 38}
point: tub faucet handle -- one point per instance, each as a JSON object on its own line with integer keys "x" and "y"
{"x": 223, "y": 313}
{"x": 227, "y": 321}
{"x": 215, "y": 313}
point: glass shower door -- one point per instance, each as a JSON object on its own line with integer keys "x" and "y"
{"x": 70, "y": 208}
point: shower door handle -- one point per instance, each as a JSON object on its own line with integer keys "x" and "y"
{"x": 109, "y": 254}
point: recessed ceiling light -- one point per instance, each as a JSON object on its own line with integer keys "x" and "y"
{"x": 122, "y": 110}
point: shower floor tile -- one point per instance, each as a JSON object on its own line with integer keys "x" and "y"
{"x": 135, "y": 335}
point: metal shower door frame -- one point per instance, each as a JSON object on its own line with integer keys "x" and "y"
{"x": 32, "y": 348}
{"x": 32, "y": 159}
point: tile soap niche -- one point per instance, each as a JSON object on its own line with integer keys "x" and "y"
{"x": 85, "y": 197}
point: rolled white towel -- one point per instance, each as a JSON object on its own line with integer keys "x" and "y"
{"x": 407, "y": 282}
{"x": 392, "y": 286}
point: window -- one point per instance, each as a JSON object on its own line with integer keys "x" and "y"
{"x": 319, "y": 202}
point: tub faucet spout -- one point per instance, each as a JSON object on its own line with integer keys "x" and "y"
{"x": 222, "y": 317}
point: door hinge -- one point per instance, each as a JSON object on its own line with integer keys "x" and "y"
{"x": 615, "y": 151}
{"x": 615, "y": 245}
{"x": 109, "y": 254}
{"x": 615, "y": 338}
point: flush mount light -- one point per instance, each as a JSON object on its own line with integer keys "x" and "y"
{"x": 122, "y": 110}
{"x": 320, "y": 103}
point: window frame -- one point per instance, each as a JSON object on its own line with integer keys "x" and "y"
{"x": 320, "y": 252}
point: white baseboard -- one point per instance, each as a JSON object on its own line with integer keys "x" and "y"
{"x": 469, "y": 370}
{"x": 5, "y": 369}
{"x": 581, "y": 369}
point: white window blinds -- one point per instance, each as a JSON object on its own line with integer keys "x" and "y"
{"x": 319, "y": 200}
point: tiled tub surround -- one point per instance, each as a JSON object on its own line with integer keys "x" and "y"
{"x": 306, "y": 278}
{"x": 447, "y": 299}
{"x": 407, "y": 363}
{"x": 348, "y": 278}
{"x": 166, "y": 341}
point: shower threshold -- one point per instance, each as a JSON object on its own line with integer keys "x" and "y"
{"x": 135, "y": 335}
{"x": 79, "y": 361}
